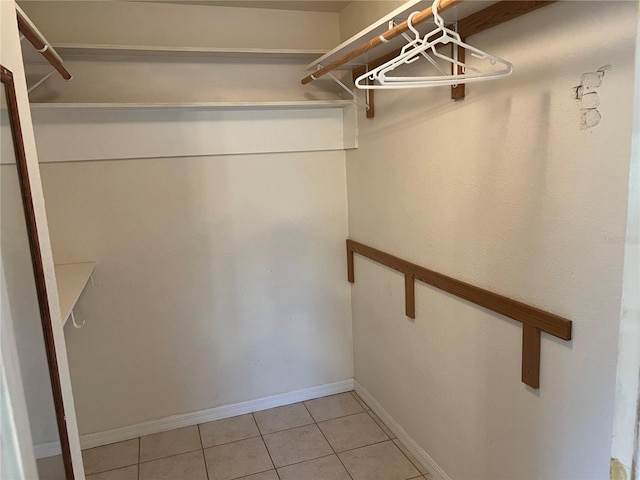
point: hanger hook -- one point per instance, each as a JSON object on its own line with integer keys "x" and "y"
{"x": 410, "y": 24}
{"x": 437, "y": 19}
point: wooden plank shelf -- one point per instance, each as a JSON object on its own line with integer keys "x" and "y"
{"x": 534, "y": 320}
{"x": 71, "y": 279}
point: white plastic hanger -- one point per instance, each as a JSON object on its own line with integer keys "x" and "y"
{"x": 426, "y": 47}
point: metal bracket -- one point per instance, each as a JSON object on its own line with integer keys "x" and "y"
{"x": 76, "y": 325}
{"x": 351, "y": 92}
{"x": 41, "y": 81}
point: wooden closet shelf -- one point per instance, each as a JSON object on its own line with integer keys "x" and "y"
{"x": 71, "y": 279}
{"x": 533, "y": 319}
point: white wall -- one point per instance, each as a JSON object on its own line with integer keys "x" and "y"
{"x": 361, "y": 13}
{"x": 218, "y": 280}
{"x": 10, "y": 57}
{"x": 503, "y": 190}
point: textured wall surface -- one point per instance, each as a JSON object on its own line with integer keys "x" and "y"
{"x": 508, "y": 191}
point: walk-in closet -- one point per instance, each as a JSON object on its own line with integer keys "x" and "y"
{"x": 320, "y": 240}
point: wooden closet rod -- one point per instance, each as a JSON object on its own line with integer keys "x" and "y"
{"x": 31, "y": 33}
{"x": 421, "y": 17}
{"x": 533, "y": 319}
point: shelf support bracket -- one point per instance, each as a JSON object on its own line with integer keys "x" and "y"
{"x": 457, "y": 52}
{"x": 75, "y": 324}
{"x": 531, "y": 356}
{"x": 351, "y": 92}
{"x": 410, "y": 295}
{"x": 41, "y": 81}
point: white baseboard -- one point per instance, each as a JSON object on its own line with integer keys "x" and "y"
{"x": 416, "y": 450}
{"x": 45, "y": 450}
{"x": 188, "y": 419}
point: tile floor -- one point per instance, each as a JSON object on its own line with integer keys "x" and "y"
{"x": 331, "y": 438}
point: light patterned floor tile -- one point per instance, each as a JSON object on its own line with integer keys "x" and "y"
{"x": 282, "y": 418}
{"x": 411, "y": 458}
{"x": 334, "y": 406}
{"x": 173, "y": 442}
{"x": 110, "y": 457}
{"x": 297, "y": 445}
{"x": 187, "y": 466}
{"x": 238, "y": 459}
{"x": 382, "y": 461}
{"x": 325, "y": 468}
{"x": 228, "y": 430}
{"x": 354, "y": 431}
{"x": 126, "y": 473}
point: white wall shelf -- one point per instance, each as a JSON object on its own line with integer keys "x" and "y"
{"x": 71, "y": 132}
{"x": 71, "y": 279}
{"x": 282, "y": 105}
{"x": 68, "y": 50}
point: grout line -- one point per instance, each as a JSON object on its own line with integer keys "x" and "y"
{"x": 200, "y": 437}
{"x": 341, "y": 416}
{"x": 308, "y": 460}
{"x": 266, "y": 447}
{"x": 204, "y": 459}
{"x": 263, "y": 471}
{"x": 227, "y": 443}
{"x": 345, "y": 416}
{"x": 305, "y": 425}
{"x": 419, "y": 469}
{"x": 383, "y": 426}
{"x": 139, "y": 452}
{"x": 329, "y": 396}
{"x": 111, "y": 469}
{"x": 206, "y": 469}
{"x": 286, "y": 429}
{"x": 169, "y": 456}
{"x": 331, "y": 446}
{"x": 357, "y": 398}
{"x": 371, "y": 444}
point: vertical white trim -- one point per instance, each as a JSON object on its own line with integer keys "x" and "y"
{"x": 625, "y": 428}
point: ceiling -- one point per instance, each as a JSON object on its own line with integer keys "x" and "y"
{"x": 306, "y": 5}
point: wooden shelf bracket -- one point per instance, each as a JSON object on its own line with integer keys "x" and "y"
{"x": 534, "y": 321}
